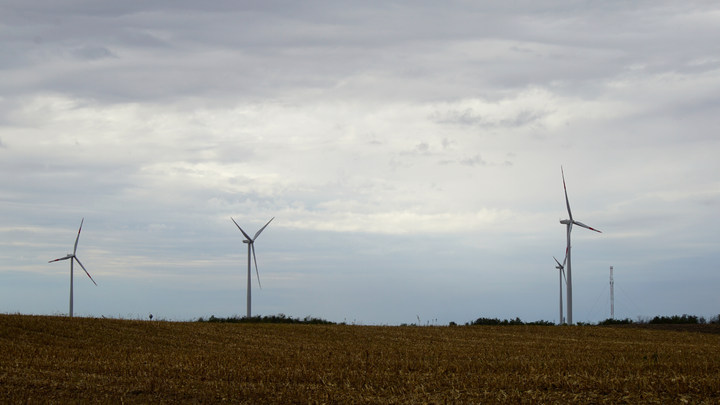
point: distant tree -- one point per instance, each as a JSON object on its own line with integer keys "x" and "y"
{"x": 486, "y": 321}
{"x": 506, "y": 322}
{"x": 611, "y": 321}
{"x": 516, "y": 321}
{"x": 541, "y": 323}
{"x": 280, "y": 318}
{"x": 685, "y": 319}
{"x": 643, "y": 320}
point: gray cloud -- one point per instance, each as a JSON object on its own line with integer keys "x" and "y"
{"x": 466, "y": 117}
{"x": 93, "y": 52}
{"x": 421, "y": 149}
{"x": 257, "y": 48}
{"x": 473, "y": 161}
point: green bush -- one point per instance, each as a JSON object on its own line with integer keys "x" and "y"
{"x": 280, "y": 318}
{"x": 685, "y": 319}
{"x": 611, "y": 321}
{"x": 496, "y": 321}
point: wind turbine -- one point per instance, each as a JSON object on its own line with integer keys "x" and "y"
{"x": 561, "y": 267}
{"x": 570, "y": 222}
{"x": 74, "y": 257}
{"x": 251, "y": 248}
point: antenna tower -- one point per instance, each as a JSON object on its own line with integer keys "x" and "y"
{"x": 612, "y": 294}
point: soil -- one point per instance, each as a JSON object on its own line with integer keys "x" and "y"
{"x": 713, "y": 328}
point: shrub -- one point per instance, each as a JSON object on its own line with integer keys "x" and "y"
{"x": 685, "y": 319}
{"x": 280, "y": 318}
{"x": 506, "y": 322}
{"x": 611, "y": 321}
{"x": 541, "y": 323}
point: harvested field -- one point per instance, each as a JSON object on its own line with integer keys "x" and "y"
{"x": 702, "y": 328}
{"x": 86, "y": 360}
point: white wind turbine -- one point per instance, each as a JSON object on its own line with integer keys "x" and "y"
{"x": 251, "y": 249}
{"x": 74, "y": 257}
{"x": 561, "y": 267}
{"x": 570, "y": 222}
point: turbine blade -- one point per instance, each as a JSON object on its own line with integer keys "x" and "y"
{"x": 560, "y": 265}
{"x": 261, "y": 229}
{"x": 567, "y": 202}
{"x": 256, "y": 269}
{"x": 585, "y": 226}
{"x": 243, "y": 232}
{"x": 86, "y": 272}
{"x": 78, "y": 237}
{"x": 62, "y": 258}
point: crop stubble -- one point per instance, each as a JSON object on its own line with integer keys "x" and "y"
{"x": 87, "y": 360}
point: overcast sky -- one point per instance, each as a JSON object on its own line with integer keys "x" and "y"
{"x": 410, "y": 152}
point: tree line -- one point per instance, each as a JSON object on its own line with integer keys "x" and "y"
{"x": 665, "y": 320}
{"x": 309, "y": 320}
{"x": 280, "y": 318}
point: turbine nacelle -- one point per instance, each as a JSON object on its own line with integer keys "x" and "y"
{"x": 559, "y": 266}
{"x": 565, "y": 221}
{"x": 247, "y": 241}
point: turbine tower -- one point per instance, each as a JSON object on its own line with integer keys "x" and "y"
{"x": 72, "y": 257}
{"x": 251, "y": 250}
{"x": 612, "y": 294}
{"x": 561, "y": 267}
{"x": 569, "y": 223}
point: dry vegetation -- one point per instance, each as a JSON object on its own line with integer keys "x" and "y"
{"x": 82, "y": 360}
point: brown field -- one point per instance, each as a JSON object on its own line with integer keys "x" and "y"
{"x": 85, "y": 360}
